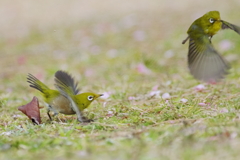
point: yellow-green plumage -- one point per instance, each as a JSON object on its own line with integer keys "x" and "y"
{"x": 47, "y": 93}
{"x": 204, "y": 61}
{"x": 82, "y": 100}
{"x": 58, "y": 101}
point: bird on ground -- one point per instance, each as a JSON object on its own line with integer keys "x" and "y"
{"x": 66, "y": 99}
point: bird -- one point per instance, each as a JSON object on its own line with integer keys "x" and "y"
{"x": 59, "y": 101}
{"x": 204, "y": 61}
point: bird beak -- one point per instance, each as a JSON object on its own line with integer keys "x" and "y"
{"x": 100, "y": 95}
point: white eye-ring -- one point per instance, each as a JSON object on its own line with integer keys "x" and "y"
{"x": 90, "y": 98}
{"x": 211, "y": 20}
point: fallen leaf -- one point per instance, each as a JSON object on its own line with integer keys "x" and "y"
{"x": 224, "y": 110}
{"x": 155, "y": 93}
{"x": 32, "y": 111}
{"x": 141, "y": 68}
{"x": 183, "y": 100}
{"x": 166, "y": 96}
{"x": 155, "y": 88}
{"x": 105, "y": 95}
{"x": 200, "y": 87}
{"x": 212, "y": 82}
{"x": 6, "y": 133}
{"x": 131, "y": 98}
{"x": 202, "y": 104}
{"x": 110, "y": 114}
{"x": 16, "y": 116}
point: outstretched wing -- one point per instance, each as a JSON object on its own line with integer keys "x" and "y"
{"x": 226, "y": 25}
{"x": 35, "y": 83}
{"x": 65, "y": 82}
{"x": 204, "y": 61}
{"x": 68, "y": 88}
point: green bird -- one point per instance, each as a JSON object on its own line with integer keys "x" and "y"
{"x": 204, "y": 62}
{"x": 66, "y": 100}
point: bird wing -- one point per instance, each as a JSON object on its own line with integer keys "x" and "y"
{"x": 35, "y": 83}
{"x": 226, "y": 25}
{"x": 204, "y": 62}
{"x": 68, "y": 88}
{"x": 66, "y": 83}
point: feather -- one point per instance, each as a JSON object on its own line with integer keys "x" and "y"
{"x": 226, "y": 25}
{"x": 204, "y": 61}
{"x": 66, "y": 83}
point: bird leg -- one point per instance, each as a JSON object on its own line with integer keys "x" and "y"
{"x": 185, "y": 40}
{"x": 76, "y": 110}
{"x": 55, "y": 114}
{"x": 210, "y": 39}
{"x": 50, "y": 108}
{"x": 48, "y": 113}
{"x": 85, "y": 119}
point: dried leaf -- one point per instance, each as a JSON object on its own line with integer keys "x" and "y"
{"x": 32, "y": 111}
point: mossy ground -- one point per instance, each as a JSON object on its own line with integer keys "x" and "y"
{"x": 131, "y": 51}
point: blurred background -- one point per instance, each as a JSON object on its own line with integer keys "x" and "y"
{"x": 123, "y": 47}
{"x": 130, "y": 50}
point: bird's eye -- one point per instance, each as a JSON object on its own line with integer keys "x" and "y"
{"x": 90, "y": 98}
{"x": 211, "y": 20}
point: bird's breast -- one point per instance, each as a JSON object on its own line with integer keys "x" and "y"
{"x": 62, "y": 105}
{"x": 213, "y": 29}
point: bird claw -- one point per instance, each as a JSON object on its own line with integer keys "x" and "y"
{"x": 88, "y": 120}
{"x": 85, "y": 120}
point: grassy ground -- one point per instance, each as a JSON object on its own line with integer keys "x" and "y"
{"x": 132, "y": 52}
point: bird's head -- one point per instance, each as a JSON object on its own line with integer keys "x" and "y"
{"x": 83, "y": 100}
{"x": 212, "y": 22}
